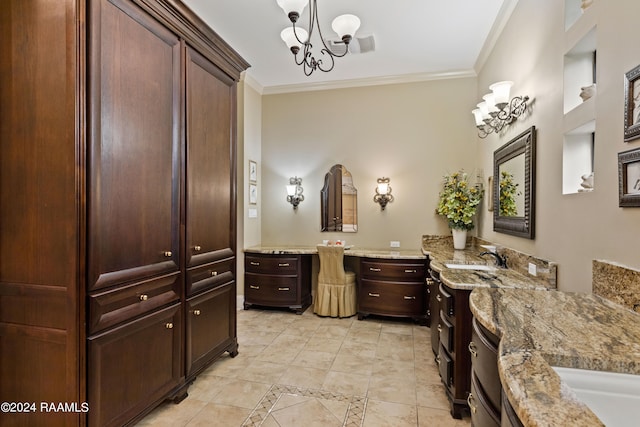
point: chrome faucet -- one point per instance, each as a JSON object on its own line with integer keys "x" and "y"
{"x": 501, "y": 260}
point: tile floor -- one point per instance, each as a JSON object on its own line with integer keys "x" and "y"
{"x": 304, "y": 370}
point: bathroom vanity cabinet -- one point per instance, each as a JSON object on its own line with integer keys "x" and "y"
{"x": 454, "y": 335}
{"x": 393, "y": 287}
{"x": 278, "y": 280}
{"x": 485, "y": 397}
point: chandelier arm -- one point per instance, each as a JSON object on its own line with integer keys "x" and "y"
{"x": 326, "y": 70}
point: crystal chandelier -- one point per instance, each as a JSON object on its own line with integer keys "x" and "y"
{"x": 497, "y": 111}
{"x": 298, "y": 38}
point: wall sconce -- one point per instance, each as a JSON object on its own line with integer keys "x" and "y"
{"x": 294, "y": 191}
{"x": 497, "y": 111}
{"x": 383, "y": 192}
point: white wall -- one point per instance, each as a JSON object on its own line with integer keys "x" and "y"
{"x": 413, "y": 133}
{"x": 571, "y": 229}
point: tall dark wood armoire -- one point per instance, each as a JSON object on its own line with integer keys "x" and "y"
{"x": 117, "y": 206}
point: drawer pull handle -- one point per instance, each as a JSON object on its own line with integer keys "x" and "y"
{"x": 283, "y": 264}
{"x": 407, "y": 297}
{"x": 197, "y": 248}
{"x": 438, "y": 360}
{"x": 283, "y": 289}
{"x": 471, "y": 405}
{"x": 411, "y": 271}
{"x": 196, "y": 312}
{"x": 254, "y": 287}
{"x": 374, "y": 295}
{"x": 254, "y": 263}
{"x": 473, "y": 349}
{"x": 375, "y": 269}
{"x": 168, "y": 325}
{"x": 429, "y": 282}
{"x": 439, "y": 298}
{"x": 144, "y": 297}
{"x": 214, "y": 273}
{"x": 439, "y": 327}
{"x": 167, "y": 254}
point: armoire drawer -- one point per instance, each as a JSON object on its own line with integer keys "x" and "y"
{"x": 445, "y": 366}
{"x": 279, "y": 265}
{"x": 447, "y": 301}
{"x": 483, "y": 414}
{"x": 111, "y": 307}
{"x": 209, "y": 276}
{"x": 447, "y": 333}
{"x": 392, "y": 298}
{"x": 270, "y": 290}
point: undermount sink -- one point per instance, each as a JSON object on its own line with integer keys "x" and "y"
{"x": 612, "y": 396}
{"x": 468, "y": 266}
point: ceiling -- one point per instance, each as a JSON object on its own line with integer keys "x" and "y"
{"x": 414, "y": 39}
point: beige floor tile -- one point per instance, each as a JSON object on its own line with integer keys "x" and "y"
{"x": 355, "y": 363}
{"x": 219, "y": 415}
{"x": 432, "y": 395}
{"x": 386, "y": 414}
{"x": 241, "y": 393}
{"x": 305, "y": 412}
{"x": 392, "y": 389}
{"x": 394, "y": 368}
{"x": 263, "y": 372}
{"x": 346, "y": 383}
{"x": 305, "y": 377}
{"x": 170, "y": 414}
{"x": 314, "y": 359}
{"x": 429, "y": 417}
{"x": 329, "y": 345}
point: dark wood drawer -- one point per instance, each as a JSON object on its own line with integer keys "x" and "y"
{"x": 392, "y": 298}
{"x": 483, "y": 414}
{"x": 484, "y": 360}
{"x": 396, "y": 270}
{"x": 210, "y": 276}
{"x": 445, "y": 366}
{"x": 111, "y": 307}
{"x": 447, "y": 333}
{"x": 447, "y": 301}
{"x": 280, "y": 265}
{"x": 270, "y": 290}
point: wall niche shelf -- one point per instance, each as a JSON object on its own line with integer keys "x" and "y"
{"x": 577, "y": 157}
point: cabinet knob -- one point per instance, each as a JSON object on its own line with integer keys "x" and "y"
{"x": 214, "y": 273}
{"x": 374, "y": 269}
{"x": 283, "y": 264}
{"x": 254, "y": 287}
{"x": 144, "y": 297}
{"x": 429, "y": 282}
{"x": 470, "y": 401}
{"x": 410, "y": 271}
{"x": 438, "y": 360}
{"x": 196, "y": 312}
{"x": 439, "y": 327}
{"x": 197, "y": 248}
{"x": 473, "y": 349}
{"x": 439, "y": 298}
{"x": 254, "y": 263}
{"x": 409, "y": 297}
{"x": 374, "y": 295}
{"x": 283, "y": 289}
{"x": 168, "y": 325}
{"x": 168, "y": 254}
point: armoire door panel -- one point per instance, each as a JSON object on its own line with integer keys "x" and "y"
{"x": 210, "y": 187}
{"x": 134, "y": 152}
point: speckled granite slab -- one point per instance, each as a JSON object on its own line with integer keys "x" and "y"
{"x": 617, "y": 283}
{"x": 349, "y": 251}
{"x": 543, "y": 329}
{"x": 440, "y": 250}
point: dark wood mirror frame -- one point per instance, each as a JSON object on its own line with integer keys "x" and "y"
{"x": 338, "y": 201}
{"x": 523, "y": 144}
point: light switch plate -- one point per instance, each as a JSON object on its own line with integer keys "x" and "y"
{"x": 533, "y": 270}
{"x": 253, "y": 213}
{"x": 395, "y": 244}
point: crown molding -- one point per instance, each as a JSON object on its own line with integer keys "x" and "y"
{"x": 369, "y": 81}
{"x": 248, "y": 80}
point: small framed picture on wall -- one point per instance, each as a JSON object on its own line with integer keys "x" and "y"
{"x": 629, "y": 178}
{"x": 632, "y": 104}
{"x": 253, "y": 171}
{"x": 253, "y": 194}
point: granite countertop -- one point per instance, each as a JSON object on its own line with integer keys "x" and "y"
{"x": 349, "y": 251}
{"x": 440, "y": 251}
{"x": 543, "y": 329}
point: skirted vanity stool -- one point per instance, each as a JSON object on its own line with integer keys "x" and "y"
{"x": 336, "y": 295}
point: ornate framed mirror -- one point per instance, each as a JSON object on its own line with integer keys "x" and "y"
{"x": 338, "y": 201}
{"x": 514, "y": 178}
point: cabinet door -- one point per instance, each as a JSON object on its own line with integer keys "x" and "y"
{"x": 211, "y": 326}
{"x": 133, "y": 366}
{"x": 134, "y": 153}
{"x": 210, "y": 161}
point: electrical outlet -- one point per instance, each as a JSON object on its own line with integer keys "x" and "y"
{"x": 395, "y": 244}
{"x": 533, "y": 270}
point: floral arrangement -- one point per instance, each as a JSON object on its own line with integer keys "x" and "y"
{"x": 508, "y": 191}
{"x": 458, "y": 201}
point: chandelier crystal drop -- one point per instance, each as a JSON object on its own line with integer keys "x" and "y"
{"x": 298, "y": 39}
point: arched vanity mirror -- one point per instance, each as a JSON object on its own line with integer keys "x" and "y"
{"x": 514, "y": 173}
{"x": 339, "y": 200}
